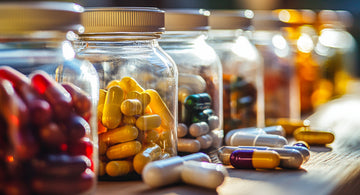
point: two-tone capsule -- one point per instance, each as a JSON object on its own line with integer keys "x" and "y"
{"x": 254, "y": 159}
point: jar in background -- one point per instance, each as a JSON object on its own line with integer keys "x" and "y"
{"x": 47, "y": 142}
{"x": 200, "y": 80}
{"x": 243, "y": 92}
{"x": 337, "y": 50}
{"x": 302, "y": 36}
{"x": 138, "y": 96}
{"x": 280, "y": 83}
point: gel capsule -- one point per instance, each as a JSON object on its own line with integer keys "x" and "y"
{"x": 203, "y": 174}
{"x": 128, "y": 84}
{"x": 197, "y": 102}
{"x": 148, "y": 122}
{"x": 314, "y": 137}
{"x": 305, "y": 153}
{"x": 149, "y": 153}
{"x": 188, "y": 145}
{"x": 205, "y": 141}
{"x": 100, "y": 108}
{"x": 198, "y": 129}
{"x": 246, "y": 139}
{"x": 159, "y": 107}
{"x": 165, "y": 172}
{"x": 118, "y": 168}
{"x": 123, "y": 150}
{"x": 111, "y": 117}
{"x": 121, "y": 134}
{"x": 80, "y": 100}
{"x": 182, "y": 130}
{"x": 214, "y": 122}
{"x": 254, "y": 159}
{"x": 131, "y": 107}
{"x": 251, "y": 130}
{"x": 289, "y": 125}
{"x": 149, "y": 136}
{"x": 302, "y": 144}
{"x": 275, "y": 130}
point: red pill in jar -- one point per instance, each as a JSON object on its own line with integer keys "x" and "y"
{"x": 82, "y": 147}
{"x": 80, "y": 99}
{"x": 16, "y": 78}
{"x": 54, "y": 93}
{"x": 59, "y": 185}
{"x": 77, "y": 127}
{"x": 52, "y": 136}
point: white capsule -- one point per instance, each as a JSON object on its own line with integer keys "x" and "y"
{"x": 247, "y": 139}
{"x": 305, "y": 153}
{"x": 182, "y": 130}
{"x": 289, "y": 158}
{"x": 217, "y": 136}
{"x": 251, "y": 130}
{"x": 195, "y": 82}
{"x": 198, "y": 129}
{"x": 203, "y": 174}
{"x": 214, "y": 122}
{"x": 205, "y": 141}
{"x": 168, "y": 171}
{"x": 188, "y": 145}
{"x": 275, "y": 130}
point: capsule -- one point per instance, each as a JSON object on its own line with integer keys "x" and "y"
{"x": 254, "y": 159}
{"x": 129, "y": 120}
{"x": 102, "y": 168}
{"x": 52, "y": 136}
{"x": 197, "y": 102}
{"x": 305, "y": 153}
{"x": 313, "y": 137}
{"x": 205, "y": 141}
{"x": 158, "y": 106}
{"x": 123, "y": 150}
{"x": 80, "y": 100}
{"x": 100, "y": 108}
{"x": 195, "y": 82}
{"x": 182, "y": 130}
{"x": 119, "y": 168}
{"x": 77, "y": 127}
{"x": 128, "y": 84}
{"x": 148, "y": 154}
{"x": 113, "y": 83}
{"x": 289, "y": 125}
{"x": 188, "y": 145}
{"x": 165, "y": 172}
{"x": 143, "y": 97}
{"x": 214, "y": 122}
{"x": 149, "y": 136}
{"x": 246, "y": 139}
{"x": 148, "y": 122}
{"x": 302, "y": 144}
{"x": 111, "y": 117}
{"x": 198, "y": 129}
{"x": 251, "y": 130}
{"x": 121, "y": 134}
{"x": 275, "y": 130}
{"x": 131, "y": 107}
{"x": 203, "y": 174}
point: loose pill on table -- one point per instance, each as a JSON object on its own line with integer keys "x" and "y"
{"x": 305, "y": 153}
{"x": 275, "y": 130}
{"x": 246, "y": 139}
{"x": 149, "y": 153}
{"x": 123, "y": 150}
{"x": 254, "y": 159}
{"x": 131, "y": 107}
{"x": 205, "y": 141}
{"x": 148, "y": 122}
{"x": 182, "y": 130}
{"x": 119, "y": 168}
{"x": 196, "y": 102}
{"x": 121, "y": 134}
{"x": 302, "y": 144}
{"x": 198, "y": 129}
{"x": 289, "y": 125}
{"x": 251, "y": 130}
{"x": 111, "y": 117}
{"x": 188, "y": 145}
{"x": 313, "y": 137}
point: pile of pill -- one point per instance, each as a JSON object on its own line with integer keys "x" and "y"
{"x": 194, "y": 169}
{"x": 43, "y": 143}
{"x": 134, "y": 128}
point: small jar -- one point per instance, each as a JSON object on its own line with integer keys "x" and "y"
{"x": 138, "y": 96}
{"x": 200, "y": 80}
{"x": 337, "y": 50}
{"x": 48, "y": 102}
{"x": 280, "y": 83}
{"x": 243, "y": 92}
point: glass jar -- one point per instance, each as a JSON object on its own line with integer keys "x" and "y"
{"x": 48, "y": 143}
{"x": 243, "y": 92}
{"x": 337, "y": 50}
{"x": 200, "y": 80}
{"x": 280, "y": 83}
{"x": 138, "y": 96}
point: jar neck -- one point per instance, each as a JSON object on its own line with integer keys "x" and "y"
{"x": 178, "y": 37}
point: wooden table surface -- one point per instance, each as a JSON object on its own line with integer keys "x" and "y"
{"x": 334, "y": 169}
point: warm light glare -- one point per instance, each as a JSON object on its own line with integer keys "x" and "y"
{"x": 284, "y": 16}
{"x": 305, "y": 43}
{"x": 249, "y": 13}
{"x": 68, "y": 51}
{"x": 10, "y": 159}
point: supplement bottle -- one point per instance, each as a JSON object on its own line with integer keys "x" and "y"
{"x": 48, "y": 102}
{"x": 243, "y": 92}
{"x": 200, "y": 80}
{"x": 137, "y": 109}
{"x": 280, "y": 83}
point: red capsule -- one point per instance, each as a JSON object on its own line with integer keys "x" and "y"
{"x": 54, "y": 93}
{"x": 77, "y": 128}
{"x": 82, "y": 147}
{"x": 80, "y": 99}
{"x": 52, "y": 135}
{"x": 16, "y": 78}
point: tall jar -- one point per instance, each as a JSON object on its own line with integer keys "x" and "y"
{"x": 243, "y": 92}
{"x": 337, "y": 50}
{"x": 137, "y": 109}
{"x": 48, "y": 101}
{"x": 280, "y": 83}
{"x": 200, "y": 80}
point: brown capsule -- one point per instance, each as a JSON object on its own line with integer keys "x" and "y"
{"x": 77, "y": 127}
{"x": 52, "y": 135}
{"x": 80, "y": 99}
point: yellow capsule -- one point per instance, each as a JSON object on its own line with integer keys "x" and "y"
{"x": 119, "y": 168}
{"x": 102, "y": 166}
{"x": 100, "y": 108}
{"x": 111, "y": 117}
{"x": 148, "y": 122}
{"x": 167, "y": 142}
{"x": 143, "y": 97}
{"x": 289, "y": 125}
{"x": 313, "y": 137}
{"x": 121, "y": 134}
{"x": 131, "y": 107}
{"x": 102, "y": 146}
{"x": 129, "y": 120}
{"x": 158, "y": 106}
{"x": 149, "y": 153}
{"x": 148, "y": 136}
{"x": 128, "y": 84}
{"x": 113, "y": 83}
{"x": 123, "y": 150}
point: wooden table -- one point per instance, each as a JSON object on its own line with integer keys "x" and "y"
{"x": 331, "y": 170}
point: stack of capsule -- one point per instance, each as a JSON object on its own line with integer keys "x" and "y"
{"x": 134, "y": 128}
{"x": 44, "y": 128}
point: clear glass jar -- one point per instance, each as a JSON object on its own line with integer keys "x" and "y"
{"x": 200, "y": 80}
{"x": 243, "y": 91}
{"x": 51, "y": 146}
{"x": 280, "y": 83}
{"x": 337, "y": 50}
{"x": 138, "y": 96}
